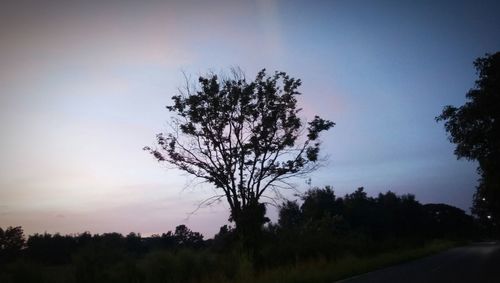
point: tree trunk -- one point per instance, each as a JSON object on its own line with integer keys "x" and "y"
{"x": 249, "y": 221}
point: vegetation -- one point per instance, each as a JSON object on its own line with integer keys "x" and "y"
{"x": 475, "y": 129}
{"x": 245, "y": 138}
{"x": 319, "y": 238}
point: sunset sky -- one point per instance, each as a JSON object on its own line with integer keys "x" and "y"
{"x": 83, "y": 85}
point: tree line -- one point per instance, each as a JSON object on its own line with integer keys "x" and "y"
{"x": 318, "y": 225}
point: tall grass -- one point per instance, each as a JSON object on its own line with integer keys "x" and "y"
{"x": 204, "y": 266}
{"x": 321, "y": 270}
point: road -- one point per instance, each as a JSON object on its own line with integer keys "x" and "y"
{"x": 476, "y": 263}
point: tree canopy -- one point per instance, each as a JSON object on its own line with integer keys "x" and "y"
{"x": 244, "y": 137}
{"x": 475, "y": 129}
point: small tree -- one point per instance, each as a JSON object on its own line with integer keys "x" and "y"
{"x": 245, "y": 138}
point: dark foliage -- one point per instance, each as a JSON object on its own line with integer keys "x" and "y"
{"x": 329, "y": 226}
{"x": 475, "y": 130}
{"x": 11, "y": 242}
{"x": 448, "y": 221}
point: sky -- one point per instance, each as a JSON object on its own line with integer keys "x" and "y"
{"x": 84, "y": 85}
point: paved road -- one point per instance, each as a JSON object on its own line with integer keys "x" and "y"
{"x": 476, "y": 263}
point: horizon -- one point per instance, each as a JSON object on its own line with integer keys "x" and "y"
{"x": 83, "y": 87}
{"x": 205, "y": 237}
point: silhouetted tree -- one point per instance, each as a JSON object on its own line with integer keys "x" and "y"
{"x": 245, "y": 138}
{"x": 224, "y": 240}
{"x": 449, "y": 221}
{"x": 398, "y": 215}
{"x": 84, "y": 238}
{"x": 11, "y": 242}
{"x": 134, "y": 244}
{"x": 360, "y": 210}
{"x": 55, "y": 249}
{"x": 319, "y": 203}
{"x": 187, "y": 238}
{"x": 475, "y": 129}
{"x": 290, "y": 216}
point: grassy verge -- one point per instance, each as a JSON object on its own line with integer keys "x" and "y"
{"x": 187, "y": 266}
{"x": 319, "y": 271}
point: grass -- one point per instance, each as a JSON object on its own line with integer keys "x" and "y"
{"x": 319, "y": 271}
{"x": 188, "y": 266}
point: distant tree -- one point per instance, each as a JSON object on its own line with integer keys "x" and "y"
{"x": 112, "y": 240}
{"x": 319, "y": 203}
{"x": 290, "y": 215}
{"x": 134, "y": 243}
{"x": 224, "y": 240}
{"x": 447, "y": 220}
{"x": 398, "y": 215}
{"x": 11, "y": 242}
{"x": 475, "y": 129}
{"x": 187, "y": 238}
{"x": 163, "y": 241}
{"x": 360, "y": 210}
{"x": 83, "y": 238}
{"x": 245, "y": 138}
{"x": 47, "y": 248}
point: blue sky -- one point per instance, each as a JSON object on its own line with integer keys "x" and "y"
{"x": 83, "y": 86}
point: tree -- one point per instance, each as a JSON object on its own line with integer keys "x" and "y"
{"x": 447, "y": 220}
{"x": 245, "y": 138}
{"x": 474, "y": 128}
{"x": 290, "y": 215}
{"x": 319, "y": 203}
{"x": 187, "y": 238}
{"x": 11, "y": 242}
